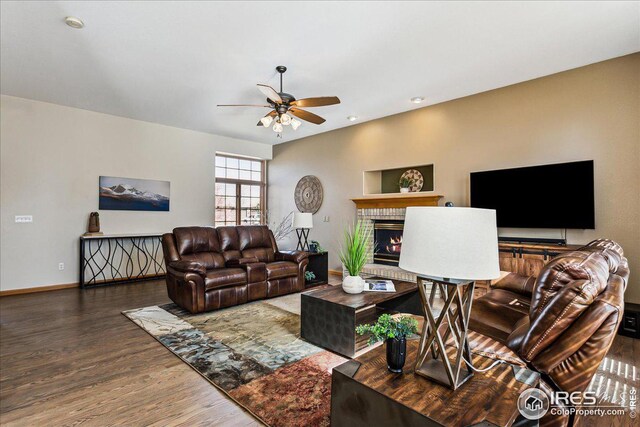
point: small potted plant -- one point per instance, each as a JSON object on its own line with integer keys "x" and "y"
{"x": 353, "y": 255}
{"x": 394, "y": 331}
{"x": 309, "y": 275}
{"x": 405, "y": 184}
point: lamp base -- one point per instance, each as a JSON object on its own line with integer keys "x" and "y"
{"x": 435, "y": 371}
{"x": 438, "y": 359}
{"x": 303, "y": 235}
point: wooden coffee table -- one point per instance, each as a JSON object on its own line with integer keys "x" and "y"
{"x": 329, "y": 316}
{"x": 365, "y": 393}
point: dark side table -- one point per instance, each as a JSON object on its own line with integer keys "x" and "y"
{"x": 319, "y": 265}
{"x": 364, "y": 393}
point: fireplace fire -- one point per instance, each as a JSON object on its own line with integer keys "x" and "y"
{"x": 387, "y": 235}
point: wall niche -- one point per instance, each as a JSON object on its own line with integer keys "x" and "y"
{"x": 386, "y": 181}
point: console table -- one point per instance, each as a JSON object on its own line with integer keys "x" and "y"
{"x": 365, "y": 393}
{"x": 118, "y": 258}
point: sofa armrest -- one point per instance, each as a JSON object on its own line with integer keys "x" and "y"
{"x": 185, "y": 285}
{"x": 187, "y": 267}
{"x": 516, "y": 283}
{"x": 241, "y": 262}
{"x": 293, "y": 256}
{"x": 520, "y": 329}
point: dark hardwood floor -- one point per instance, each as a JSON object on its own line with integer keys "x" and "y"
{"x": 70, "y": 357}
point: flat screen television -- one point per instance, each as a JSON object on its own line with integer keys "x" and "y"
{"x": 549, "y": 196}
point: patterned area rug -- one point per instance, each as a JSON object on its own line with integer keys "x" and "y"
{"x": 254, "y": 354}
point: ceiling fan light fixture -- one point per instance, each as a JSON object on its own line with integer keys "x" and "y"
{"x": 284, "y": 106}
{"x": 285, "y": 119}
{"x": 417, "y": 99}
{"x": 266, "y": 121}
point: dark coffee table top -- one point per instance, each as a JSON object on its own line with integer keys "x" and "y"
{"x": 336, "y": 295}
{"x": 488, "y": 396}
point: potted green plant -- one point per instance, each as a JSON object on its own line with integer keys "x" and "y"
{"x": 353, "y": 255}
{"x": 394, "y": 331}
{"x": 309, "y": 275}
{"x": 405, "y": 184}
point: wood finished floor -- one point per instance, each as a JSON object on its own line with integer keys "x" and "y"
{"x": 70, "y": 357}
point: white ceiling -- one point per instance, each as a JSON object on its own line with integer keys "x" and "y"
{"x": 172, "y": 62}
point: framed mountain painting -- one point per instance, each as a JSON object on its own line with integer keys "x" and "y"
{"x": 130, "y": 194}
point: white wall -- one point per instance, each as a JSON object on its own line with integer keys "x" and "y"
{"x": 51, "y": 158}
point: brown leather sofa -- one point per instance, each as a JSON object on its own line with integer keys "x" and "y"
{"x": 563, "y": 322}
{"x": 210, "y": 268}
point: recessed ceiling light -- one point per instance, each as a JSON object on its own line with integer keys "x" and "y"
{"x": 417, "y": 99}
{"x": 352, "y": 118}
{"x": 74, "y": 22}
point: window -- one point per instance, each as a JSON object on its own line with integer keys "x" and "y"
{"x": 240, "y": 191}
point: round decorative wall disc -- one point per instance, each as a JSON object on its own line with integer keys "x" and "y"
{"x": 308, "y": 194}
{"x": 417, "y": 178}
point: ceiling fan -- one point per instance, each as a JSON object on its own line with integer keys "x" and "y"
{"x": 284, "y": 106}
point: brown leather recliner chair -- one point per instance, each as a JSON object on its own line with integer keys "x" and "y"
{"x": 563, "y": 322}
{"x": 209, "y": 268}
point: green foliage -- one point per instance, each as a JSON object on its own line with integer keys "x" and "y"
{"x": 309, "y": 275}
{"x": 405, "y": 182}
{"x": 353, "y": 252}
{"x": 389, "y": 327}
{"x": 319, "y": 248}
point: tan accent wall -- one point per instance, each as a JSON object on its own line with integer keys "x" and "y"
{"x": 51, "y": 157}
{"x": 591, "y": 112}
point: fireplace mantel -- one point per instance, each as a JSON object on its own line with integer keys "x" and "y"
{"x": 396, "y": 201}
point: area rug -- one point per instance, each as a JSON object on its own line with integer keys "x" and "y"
{"x": 254, "y": 354}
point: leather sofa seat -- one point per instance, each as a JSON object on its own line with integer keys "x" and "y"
{"x": 497, "y": 312}
{"x": 280, "y": 269}
{"x": 224, "y": 277}
{"x": 211, "y": 268}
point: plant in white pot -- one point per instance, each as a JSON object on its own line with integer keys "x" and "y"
{"x": 353, "y": 255}
{"x": 405, "y": 184}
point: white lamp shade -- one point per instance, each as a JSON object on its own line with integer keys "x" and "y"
{"x": 302, "y": 220}
{"x": 454, "y": 243}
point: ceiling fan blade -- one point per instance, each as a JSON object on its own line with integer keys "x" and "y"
{"x": 270, "y": 93}
{"x": 320, "y": 101}
{"x": 243, "y": 105}
{"x": 307, "y": 116}
{"x": 271, "y": 114}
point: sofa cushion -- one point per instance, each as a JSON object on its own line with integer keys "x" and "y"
{"x": 196, "y": 239}
{"x": 280, "y": 269}
{"x": 222, "y": 277}
{"x": 229, "y": 242}
{"x": 255, "y": 242}
{"x": 496, "y": 313}
{"x": 516, "y": 283}
{"x": 199, "y": 244}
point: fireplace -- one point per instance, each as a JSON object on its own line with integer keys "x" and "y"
{"x": 387, "y": 235}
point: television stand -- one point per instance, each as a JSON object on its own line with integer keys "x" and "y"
{"x": 528, "y": 258}
{"x": 559, "y": 242}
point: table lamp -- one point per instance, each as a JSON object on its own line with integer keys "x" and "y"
{"x": 302, "y": 222}
{"x": 448, "y": 248}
